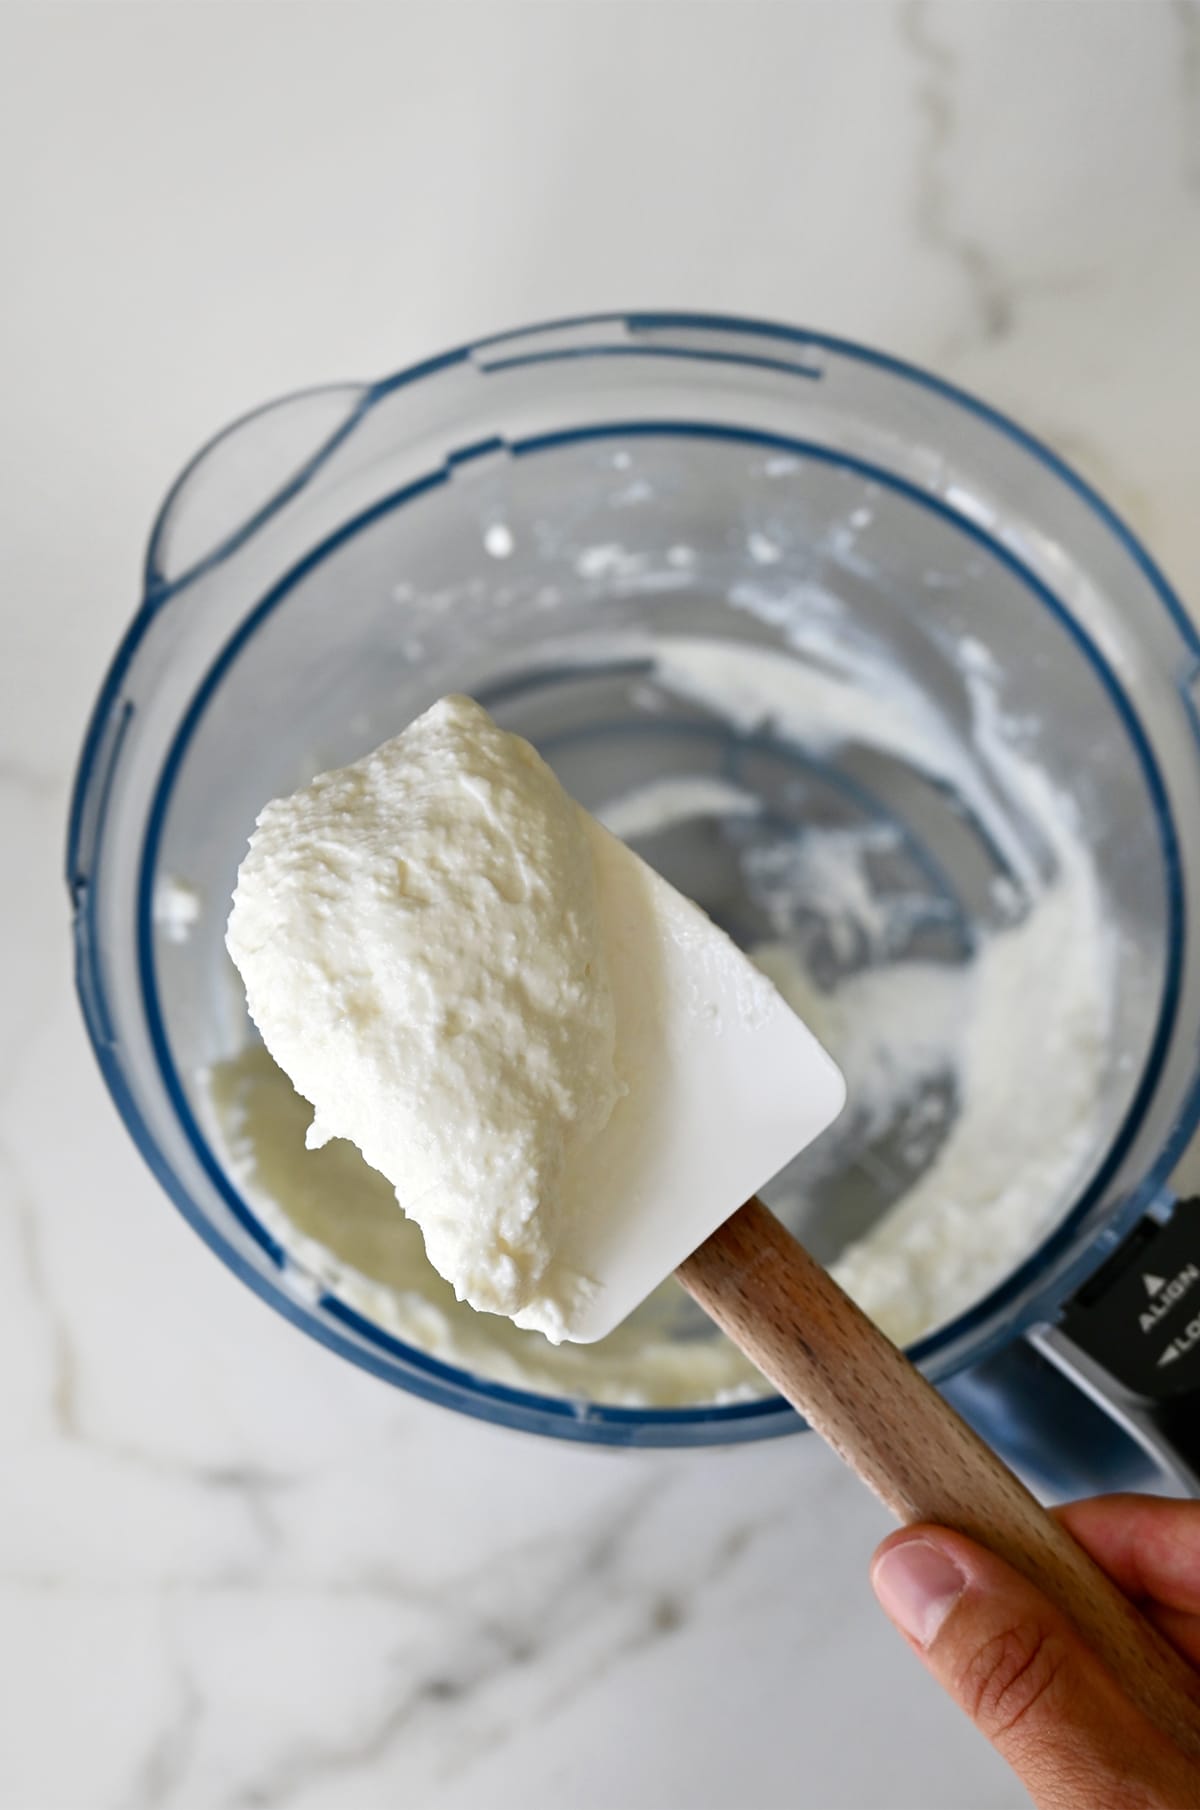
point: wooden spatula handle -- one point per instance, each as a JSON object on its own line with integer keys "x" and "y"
{"x": 877, "y": 1411}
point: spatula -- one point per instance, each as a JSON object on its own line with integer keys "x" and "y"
{"x": 729, "y": 1086}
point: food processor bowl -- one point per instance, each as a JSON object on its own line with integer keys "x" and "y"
{"x": 555, "y": 520}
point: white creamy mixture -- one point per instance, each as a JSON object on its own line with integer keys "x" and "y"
{"x": 420, "y": 939}
{"x": 177, "y": 908}
{"x": 1011, "y": 1119}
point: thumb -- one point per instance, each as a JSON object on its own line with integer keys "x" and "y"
{"x": 1018, "y": 1668}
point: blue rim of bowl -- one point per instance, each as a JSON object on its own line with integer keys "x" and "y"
{"x": 430, "y": 1377}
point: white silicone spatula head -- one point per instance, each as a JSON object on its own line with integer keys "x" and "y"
{"x": 725, "y": 1085}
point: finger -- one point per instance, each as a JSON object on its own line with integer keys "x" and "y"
{"x": 1149, "y": 1546}
{"x": 1018, "y": 1668}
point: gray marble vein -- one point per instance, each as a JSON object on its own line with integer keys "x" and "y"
{"x": 493, "y": 1628}
{"x": 1186, "y": 17}
{"x": 935, "y": 217}
{"x": 253, "y": 1485}
{"x": 165, "y": 1765}
{"x": 21, "y": 1202}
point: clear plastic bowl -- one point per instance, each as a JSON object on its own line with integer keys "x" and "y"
{"x": 514, "y": 520}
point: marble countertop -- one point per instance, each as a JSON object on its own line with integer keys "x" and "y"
{"x": 234, "y": 1572}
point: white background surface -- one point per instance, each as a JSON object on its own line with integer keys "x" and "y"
{"x": 233, "y": 1571}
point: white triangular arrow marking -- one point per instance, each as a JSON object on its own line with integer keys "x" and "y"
{"x": 1153, "y": 1284}
{"x": 1168, "y": 1356}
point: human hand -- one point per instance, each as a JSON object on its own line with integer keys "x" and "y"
{"x": 1025, "y": 1677}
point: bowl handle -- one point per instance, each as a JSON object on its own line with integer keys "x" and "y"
{"x": 242, "y": 477}
{"x": 1130, "y": 1339}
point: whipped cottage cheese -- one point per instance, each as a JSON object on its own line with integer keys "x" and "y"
{"x": 419, "y": 937}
